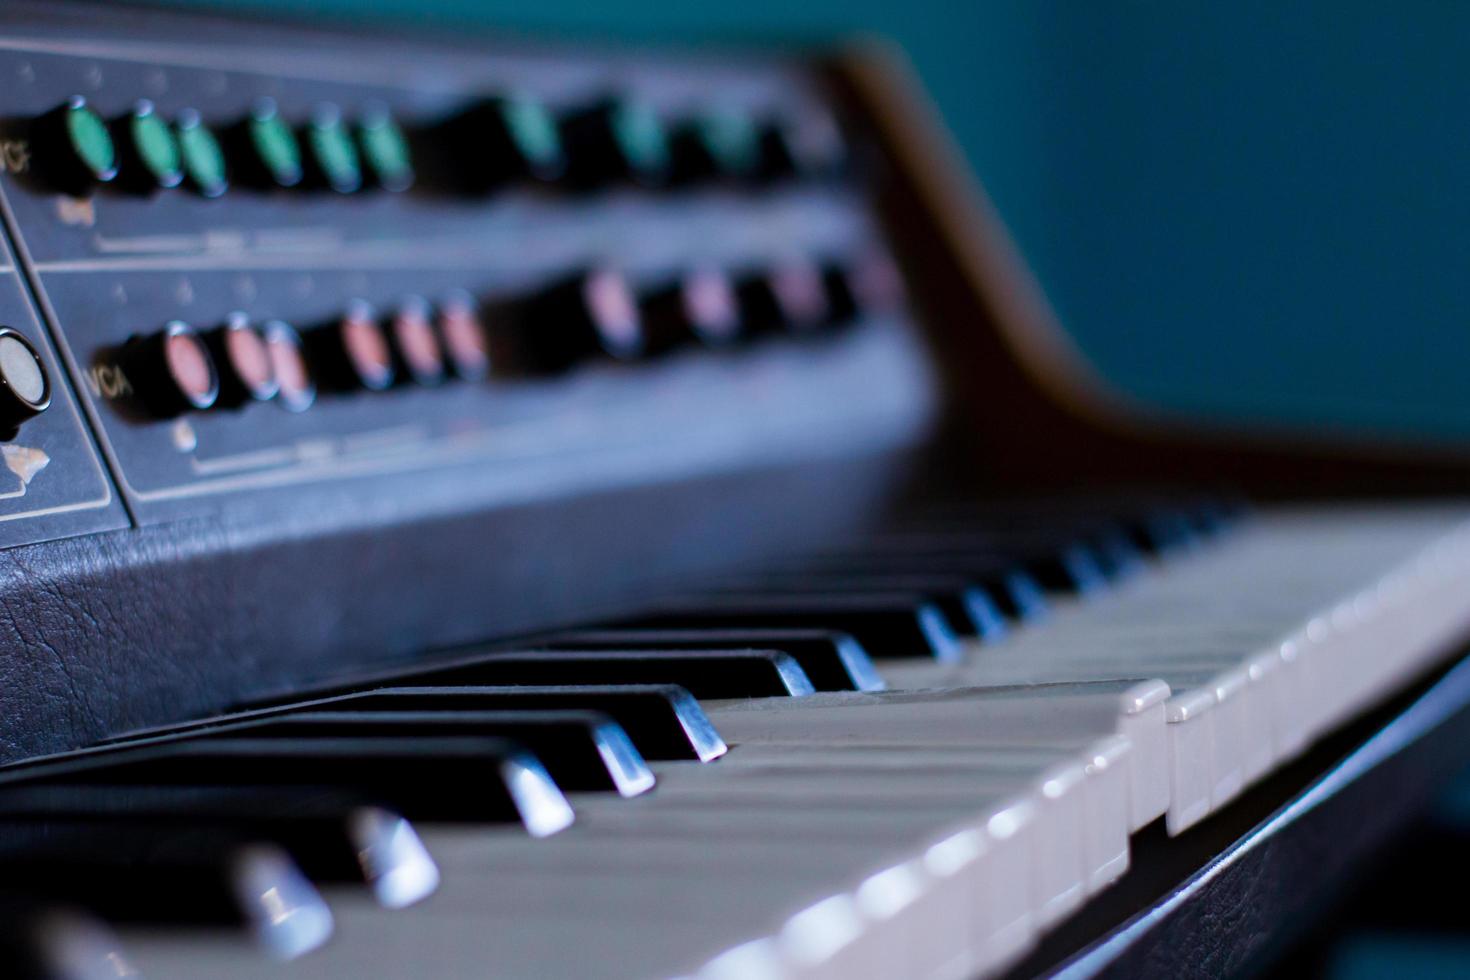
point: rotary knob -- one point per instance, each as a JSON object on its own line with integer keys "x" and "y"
{"x": 74, "y": 148}
{"x": 172, "y": 371}
{"x": 699, "y": 305}
{"x": 578, "y": 317}
{"x": 25, "y": 387}
{"x": 353, "y": 352}
{"x": 617, "y": 141}
{"x": 787, "y": 296}
{"x": 246, "y": 370}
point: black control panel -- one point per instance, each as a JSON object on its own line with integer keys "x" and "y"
{"x": 283, "y": 262}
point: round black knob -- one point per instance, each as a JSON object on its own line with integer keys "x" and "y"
{"x": 465, "y": 339}
{"x": 25, "y": 387}
{"x": 615, "y": 141}
{"x": 505, "y": 140}
{"x": 787, "y": 296}
{"x": 866, "y": 285}
{"x": 578, "y": 317}
{"x": 295, "y": 382}
{"x": 266, "y": 151}
{"x": 73, "y": 147}
{"x": 716, "y": 145}
{"x": 807, "y": 145}
{"x": 420, "y": 355}
{"x": 201, "y": 155}
{"x": 698, "y": 305}
{"x": 331, "y": 160}
{"x": 171, "y": 371}
{"x": 353, "y": 352}
{"x": 246, "y": 371}
{"x": 148, "y": 150}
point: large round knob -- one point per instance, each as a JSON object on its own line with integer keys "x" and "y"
{"x": 578, "y": 317}
{"x": 353, "y": 353}
{"x": 73, "y": 147}
{"x": 699, "y": 305}
{"x": 25, "y": 387}
{"x": 171, "y": 371}
{"x": 614, "y": 141}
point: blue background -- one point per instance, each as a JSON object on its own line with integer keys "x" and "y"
{"x": 1249, "y": 210}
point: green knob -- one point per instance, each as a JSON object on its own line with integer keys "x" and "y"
{"x": 385, "y": 149}
{"x": 334, "y": 156}
{"x": 274, "y": 154}
{"x": 202, "y": 157}
{"x": 150, "y": 153}
{"x": 73, "y": 147}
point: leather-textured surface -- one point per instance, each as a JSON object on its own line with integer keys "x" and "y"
{"x": 110, "y": 632}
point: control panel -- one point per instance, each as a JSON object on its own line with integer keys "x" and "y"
{"x": 275, "y": 260}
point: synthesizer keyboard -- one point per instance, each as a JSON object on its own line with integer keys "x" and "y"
{"x": 488, "y": 509}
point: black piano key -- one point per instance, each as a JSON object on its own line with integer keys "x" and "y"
{"x": 707, "y": 674}
{"x": 664, "y": 721}
{"x": 1010, "y": 588}
{"x": 965, "y": 604}
{"x": 896, "y": 624}
{"x": 583, "y": 750}
{"x": 169, "y": 877}
{"x": 40, "y": 940}
{"x": 332, "y": 835}
{"x": 833, "y": 661}
{"x": 432, "y": 778}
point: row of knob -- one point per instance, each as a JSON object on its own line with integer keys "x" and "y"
{"x": 588, "y": 315}
{"x": 495, "y": 142}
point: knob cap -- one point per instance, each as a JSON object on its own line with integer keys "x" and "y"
{"x": 172, "y": 371}
{"x": 506, "y": 140}
{"x": 465, "y": 339}
{"x": 616, "y": 141}
{"x": 148, "y": 150}
{"x": 420, "y": 357}
{"x": 332, "y": 160}
{"x": 385, "y": 149}
{"x": 788, "y": 296}
{"x": 266, "y": 150}
{"x": 25, "y": 387}
{"x": 247, "y": 372}
{"x": 576, "y": 318}
{"x": 717, "y": 145}
{"x": 700, "y": 305}
{"x": 808, "y": 145}
{"x": 74, "y": 147}
{"x": 296, "y": 385}
{"x": 352, "y": 353}
{"x": 201, "y": 155}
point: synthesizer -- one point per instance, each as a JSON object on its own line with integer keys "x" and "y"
{"x": 480, "y": 508}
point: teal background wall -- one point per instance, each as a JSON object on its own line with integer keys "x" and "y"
{"x": 1244, "y": 209}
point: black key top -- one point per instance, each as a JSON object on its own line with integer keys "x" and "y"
{"x": 41, "y": 941}
{"x": 584, "y": 750}
{"x": 438, "y": 778}
{"x": 331, "y": 835}
{"x": 663, "y": 720}
{"x": 706, "y": 674}
{"x": 171, "y": 876}
{"x": 896, "y": 624}
{"x": 1009, "y": 587}
{"x": 833, "y": 661}
{"x": 966, "y": 605}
